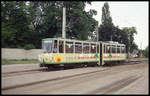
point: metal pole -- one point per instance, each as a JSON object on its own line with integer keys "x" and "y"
{"x": 64, "y": 23}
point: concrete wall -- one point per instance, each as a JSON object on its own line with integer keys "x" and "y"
{"x": 14, "y": 53}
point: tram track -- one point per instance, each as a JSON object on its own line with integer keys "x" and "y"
{"x": 134, "y": 62}
{"x": 127, "y": 63}
{"x": 67, "y": 82}
{"x": 15, "y": 73}
{"x": 32, "y": 71}
{"x": 54, "y": 79}
{"x": 115, "y": 86}
{"x": 44, "y": 69}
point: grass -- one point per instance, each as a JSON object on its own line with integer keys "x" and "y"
{"x": 24, "y": 61}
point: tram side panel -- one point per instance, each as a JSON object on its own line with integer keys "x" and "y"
{"x": 112, "y": 53}
{"x": 68, "y": 56}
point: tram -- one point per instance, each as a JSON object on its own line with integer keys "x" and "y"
{"x": 66, "y": 52}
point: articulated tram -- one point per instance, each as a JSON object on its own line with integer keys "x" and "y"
{"x": 66, "y": 52}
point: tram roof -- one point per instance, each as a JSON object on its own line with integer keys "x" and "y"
{"x": 111, "y": 43}
{"x": 87, "y": 41}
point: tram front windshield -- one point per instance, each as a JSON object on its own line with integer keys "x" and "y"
{"x": 47, "y": 46}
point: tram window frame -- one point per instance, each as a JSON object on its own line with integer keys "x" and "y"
{"x": 108, "y": 50}
{"x": 97, "y": 48}
{"x": 118, "y": 49}
{"x": 124, "y": 49}
{"x": 121, "y": 49}
{"x": 78, "y": 47}
{"x": 61, "y": 47}
{"x": 104, "y": 48}
{"x": 86, "y": 47}
{"x": 93, "y": 50}
{"x": 69, "y": 47}
{"x": 47, "y": 46}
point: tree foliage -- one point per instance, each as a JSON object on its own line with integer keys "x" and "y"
{"x": 109, "y": 32}
{"x": 145, "y": 52}
{"x": 15, "y": 21}
{"x": 128, "y": 38}
{"x": 106, "y": 28}
{"x": 25, "y": 23}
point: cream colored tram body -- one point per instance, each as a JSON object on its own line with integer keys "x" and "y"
{"x": 67, "y": 52}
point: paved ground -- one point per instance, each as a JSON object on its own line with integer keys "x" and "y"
{"x": 18, "y": 67}
{"x": 124, "y": 79}
{"x": 11, "y": 81}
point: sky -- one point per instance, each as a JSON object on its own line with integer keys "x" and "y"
{"x": 127, "y": 14}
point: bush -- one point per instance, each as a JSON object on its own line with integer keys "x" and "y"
{"x": 29, "y": 46}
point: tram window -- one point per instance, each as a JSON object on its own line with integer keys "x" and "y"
{"x": 108, "y": 47}
{"x": 86, "y": 48}
{"x": 78, "y": 47}
{"x": 93, "y": 48}
{"x": 69, "y": 47}
{"x": 123, "y": 49}
{"x": 61, "y": 46}
{"x": 55, "y": 46}
{"x": 113, "y": 49}
{"x": 118, "y": 49}
{"x": 47, "y": 46}
{"x": 97, "y": 48}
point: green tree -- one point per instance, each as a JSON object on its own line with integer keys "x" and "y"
{"x": 79, "y": 22}
{"x": 108, "y": 31}
{"x": 128, "y": 38}
{"x": 25, "y": 23}
{"x": 106, "y": 28}
{"x": 15, "y": 23}
{"x": 146, "y": 52}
